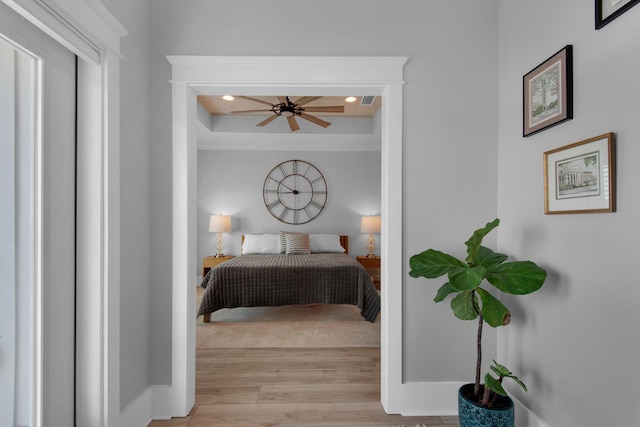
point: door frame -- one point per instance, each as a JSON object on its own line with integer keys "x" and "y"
{"x": 218, "y": 75}
{"x": 92, "y": 33}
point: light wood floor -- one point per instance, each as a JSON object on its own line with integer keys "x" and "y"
{"x": 291, "y": 387}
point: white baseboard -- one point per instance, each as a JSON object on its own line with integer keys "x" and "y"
{"x": 430, "y": 398}
{"x": 441, "y": 399}
{"x": 525, "y": 417}
{"x": 154, "y": 403}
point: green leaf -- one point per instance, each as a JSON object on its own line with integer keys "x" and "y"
{"x": 466, "y": 278}
{"x": 493, "y": 311}
{"x": 517, "y": 380}
{"x": 500, "y": 370}
{"x": 476, "y": 239}
{"x": 517, "y": 278}
{"x": 443, "y": 292}
{"x": 503, "y": 372}
{"x": 432, "y": 264}
{"x": 488, "y": 258}
{"x": 494, "y": 385}
{"x": 463, "y": 306}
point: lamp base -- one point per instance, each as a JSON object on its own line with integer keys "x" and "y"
{"x": 219, "y": 246}
{"x": 370, "y": 246}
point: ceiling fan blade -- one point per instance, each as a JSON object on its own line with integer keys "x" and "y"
{"x": 282, "y": 99}
{"x": 250, "y": 111}
{"x": 327, "y": 109}
{"x": 293, "y": 124}
{"x": 315, "y": 120}
{"x": 267, "y": 121}
{"x": 306, "y": 100}
{"x": 255, "y": 100}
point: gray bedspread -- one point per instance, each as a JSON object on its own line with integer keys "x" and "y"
{"x": 273, "y": 280}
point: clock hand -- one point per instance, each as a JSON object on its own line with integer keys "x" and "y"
{"x": 286, "y": 186}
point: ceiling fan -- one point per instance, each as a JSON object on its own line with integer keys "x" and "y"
{"x": 290, "y": 110}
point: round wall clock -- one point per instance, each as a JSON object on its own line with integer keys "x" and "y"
{"x": 295, "y": 192}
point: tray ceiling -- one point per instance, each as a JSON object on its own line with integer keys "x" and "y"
{"x": 217, "y": 106}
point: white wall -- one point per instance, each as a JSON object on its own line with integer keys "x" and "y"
{"x": 450, "y": 134}
{"x": 135, "y": 191}
{"x": 576, "y": 343}
{"x": 230, "y": 183}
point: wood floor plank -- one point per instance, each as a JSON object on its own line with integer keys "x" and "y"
{"x": 210, "y": 395}
{"x": 303, "y": 415}
{"x": 309, "y": 364}
{"x": 319, "y": 393}
{"x": 255, "y": 377}
{"x": 364, "y": 376}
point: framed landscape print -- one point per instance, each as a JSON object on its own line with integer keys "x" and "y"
{"x": 547, "y": 93}
{"x": 608, "y": 10}
{"x": 581, "y": 177}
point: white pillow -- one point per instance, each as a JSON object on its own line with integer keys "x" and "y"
{"x": 325, "y": 243}
{"x": 261, "y": 244}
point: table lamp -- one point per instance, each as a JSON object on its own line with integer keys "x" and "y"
{"x": 219, "y": 224}
{"x": 370, "y": 224}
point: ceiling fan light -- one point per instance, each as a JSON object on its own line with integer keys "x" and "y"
{"x": 350, "y": 99}
{"x": 227, "y": 97}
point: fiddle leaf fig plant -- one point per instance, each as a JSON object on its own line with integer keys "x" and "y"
{"x": 469, "y": 300}
{"x": 492, "y": 384}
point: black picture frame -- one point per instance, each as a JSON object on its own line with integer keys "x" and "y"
{"x": 606, "y": 14}
{"x": 547, "y": 93}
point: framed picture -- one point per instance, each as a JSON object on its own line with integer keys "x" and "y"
{"x": 608, "y": 10}
{"x": 548, "y": 93}
{"x": 581, "y": 177}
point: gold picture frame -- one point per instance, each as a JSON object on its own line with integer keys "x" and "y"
{"x": 581, "y": 177}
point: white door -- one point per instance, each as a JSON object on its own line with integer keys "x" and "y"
{"x": 37, "y": 226}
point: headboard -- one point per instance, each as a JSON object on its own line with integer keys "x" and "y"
{"x": 344, "y": 242}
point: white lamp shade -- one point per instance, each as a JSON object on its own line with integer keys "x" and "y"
{"x": 220, "y": 224}
{"x": 370, "y": 224}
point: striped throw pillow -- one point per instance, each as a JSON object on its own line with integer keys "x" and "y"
{"x": 297, "y": 244}
{"x": 283, "y": 240}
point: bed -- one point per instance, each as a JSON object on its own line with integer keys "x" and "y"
{"x": 288, "y": 273}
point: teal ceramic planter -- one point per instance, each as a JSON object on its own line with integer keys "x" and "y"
{"x": 474, "y": 415}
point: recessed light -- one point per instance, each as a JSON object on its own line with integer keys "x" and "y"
{"x": 350, "y": 99}
{"x": 227, "y": 98}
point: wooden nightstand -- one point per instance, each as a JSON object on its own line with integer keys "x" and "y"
{"x": 373, "y": 267}
{"x": 209, "y": 262}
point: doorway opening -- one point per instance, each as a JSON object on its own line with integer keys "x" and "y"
{"x": 193, "y": 76}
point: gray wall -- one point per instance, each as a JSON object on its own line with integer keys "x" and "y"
{"x": 576, "y": 343}
{"x": 230, "y": 183}
{"x": 464, "y": 162}
{"x": 136, "y": 295}
{"x": 450, "y": 134}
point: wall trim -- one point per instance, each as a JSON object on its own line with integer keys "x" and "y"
{"x": 93, "y": 34}
{"x": 150, "y": 405}
{"x": 430, "y": 398}
{"x": 525, "y": 417}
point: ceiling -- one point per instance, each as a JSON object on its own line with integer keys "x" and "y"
{"x": 215, "y": 105}
{"x": 358, "y": 128}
